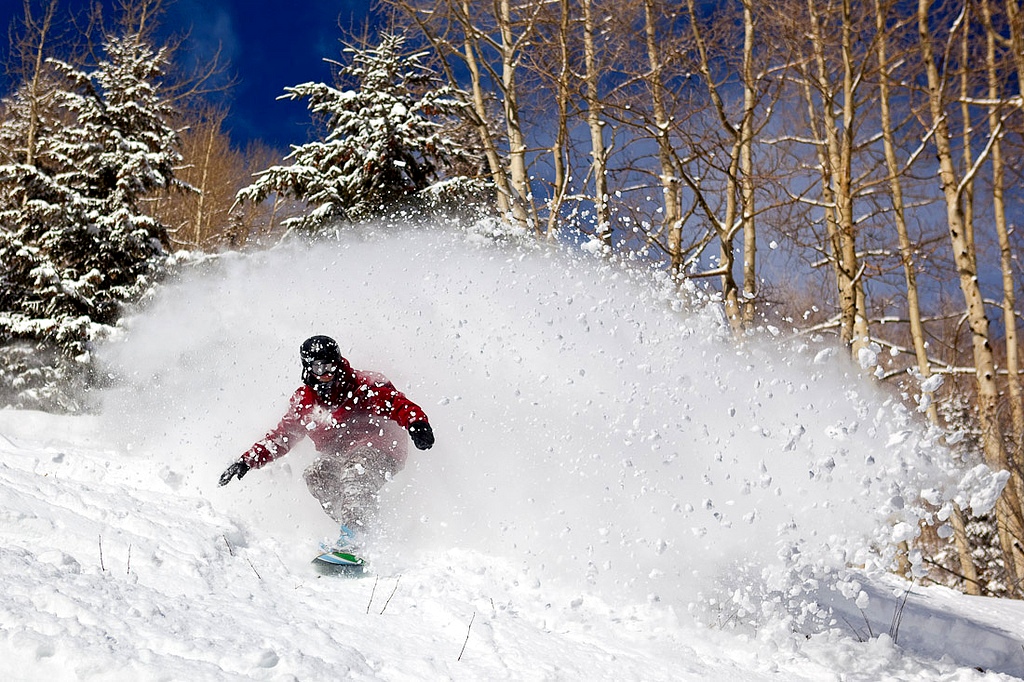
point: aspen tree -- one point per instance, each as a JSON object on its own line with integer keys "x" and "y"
{"x": 996, "y": 96}
{"x": 1008, "y": 508}
{"x": 488, "y": 43}
{"x": 833, "y": 108}
{"x": 907, "y": 260}
{"x": 669, "y": 174}
{"x": 739, "y": 197}
{"x": 595, "y": 122}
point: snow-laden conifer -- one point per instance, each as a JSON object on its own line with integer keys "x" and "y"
{"x": 75, "y": 242}
{"x": 385, "y": 141}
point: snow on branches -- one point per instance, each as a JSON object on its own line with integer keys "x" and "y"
{"x": 386, "y": 139}
{"x": 75, "y": 244}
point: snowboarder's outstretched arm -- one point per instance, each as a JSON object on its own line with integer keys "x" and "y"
{"x": 275, "y": 444}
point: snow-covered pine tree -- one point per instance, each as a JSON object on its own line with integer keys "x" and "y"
{"x": 75, "y": 244}
{"x": 31, "y": 204}
{"x": 385, "y": 144}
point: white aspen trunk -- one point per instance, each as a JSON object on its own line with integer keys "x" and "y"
{"x": 200, "y": 214}
{"x": 836, "y": 156}
{"x": 727, "y": 227}
{"x": 747, "y": 169}
{"x": 853, "y": 279}
{"x": 899, "y": 211}
{"x": 966, "y": 130}
{"x": 730, "y": 291}
{"x": 1006, "y": 261}
{"x": 561, "y": 177}
{"x": 669, "y": 180}
{"x": 1015, "y": 20}
{"x": 518, "y": 181}
{"x": 598, "y": 153}
{"x": 498, "y": 175}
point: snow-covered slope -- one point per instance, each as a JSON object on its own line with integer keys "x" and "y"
{"x": 616, "y": 492}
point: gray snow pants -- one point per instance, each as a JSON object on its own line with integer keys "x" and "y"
{"x": 347, "y": 483}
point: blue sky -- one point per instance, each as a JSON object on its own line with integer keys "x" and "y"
{"x": 269, "y": 45}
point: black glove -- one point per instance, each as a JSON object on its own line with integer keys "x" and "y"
{"x": 239, "y": 469}
{"x": 422, "y": 435}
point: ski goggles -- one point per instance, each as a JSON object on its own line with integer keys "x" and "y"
{"x": 322, "y": 368}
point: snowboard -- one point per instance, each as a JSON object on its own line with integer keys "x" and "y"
{"x": 339, "y": 563}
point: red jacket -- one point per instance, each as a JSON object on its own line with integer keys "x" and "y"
{"x": 364, "y": 409}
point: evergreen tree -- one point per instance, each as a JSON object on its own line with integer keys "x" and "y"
{"x": 386, "y": 139}
{"x": 75, "y": 244}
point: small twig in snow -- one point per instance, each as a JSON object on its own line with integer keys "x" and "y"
{"x": 231, "y": 551}
{"x": 466, "y": 641}
{"x": 391, "y": 595}
{"x": 855, "y": 631}
{"x": 129, "y": 571}
{"x": 102, "y": 567}
{"x": 376, "y": 578}
{"x": 897, "y": 616}
{"x": 868, "y": 623}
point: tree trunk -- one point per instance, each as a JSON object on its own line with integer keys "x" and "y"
{"x": 498, "y": 175}
{"x": 1006, "y": 259}
{"x": 669, "y": 177}
{"x": 598, "y": 152}
{"x": 747, "y": 169}
{"x": 204, "y": 171}
{"x": 1015, "y": 19}
{"x": 560, "y": 181}
{"x": 836, "y": 154}
{"x": 727, "y": 226}
{"x": 967, "y": 195}
{"x": 33, "y": 50}
{"x": 519, "y": 183}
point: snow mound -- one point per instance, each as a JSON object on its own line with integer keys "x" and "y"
{"x": 589, "y": 424}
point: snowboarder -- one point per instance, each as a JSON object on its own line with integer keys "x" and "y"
{"x": 355, "y": 419}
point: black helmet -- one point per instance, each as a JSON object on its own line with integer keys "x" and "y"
{"x": 322, "y": 358}
{"x": 319, "y": 348}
